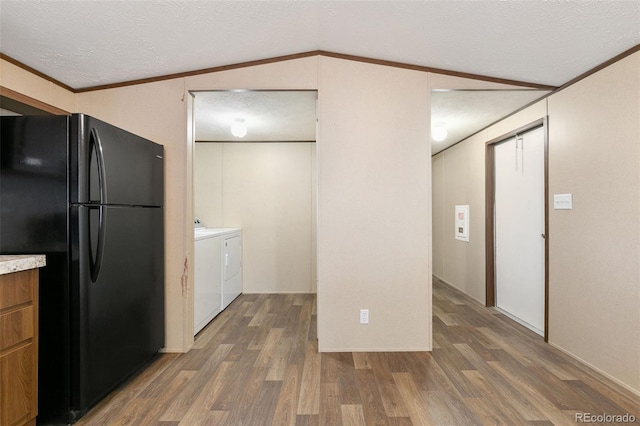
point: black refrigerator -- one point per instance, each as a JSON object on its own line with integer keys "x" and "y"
{"x": 89, "y": 196}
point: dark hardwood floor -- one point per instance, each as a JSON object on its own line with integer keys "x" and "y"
{"x": 257, "y": 364}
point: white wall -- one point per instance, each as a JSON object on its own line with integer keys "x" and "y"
{"x": 374, "y": 218}
{"x": 267, "y": 189}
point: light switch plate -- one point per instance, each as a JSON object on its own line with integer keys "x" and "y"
{"x": 364, "y": 316}
{"x": 562, "y": 201}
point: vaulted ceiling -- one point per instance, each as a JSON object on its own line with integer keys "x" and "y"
{"x": 92, "y": 43}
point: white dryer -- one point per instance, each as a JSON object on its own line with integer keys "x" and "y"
{"x": 232, "y": 264}
{"x": 218, "y": 272}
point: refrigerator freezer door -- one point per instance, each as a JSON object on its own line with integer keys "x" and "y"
{"x": 114, "y": 166}
{"x": 120, "y": 314}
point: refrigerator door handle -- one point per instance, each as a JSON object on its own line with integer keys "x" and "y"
{"x": 96, "y": 145}
{"x": 95, "y": 262}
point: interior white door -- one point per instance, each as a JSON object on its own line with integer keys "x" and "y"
{"x": 519, "y": 228}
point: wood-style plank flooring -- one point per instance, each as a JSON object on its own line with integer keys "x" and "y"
{"x": 257, "y": 364}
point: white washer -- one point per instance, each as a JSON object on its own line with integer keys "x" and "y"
{"x": 207, "y": 298}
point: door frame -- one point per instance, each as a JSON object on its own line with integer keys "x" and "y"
{"x": 490, "y": 281}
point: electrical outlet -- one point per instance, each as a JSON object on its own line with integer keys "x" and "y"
{"x": 364, "y": 316}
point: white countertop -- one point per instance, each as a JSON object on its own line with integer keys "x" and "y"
{"x": 16, "y": 263}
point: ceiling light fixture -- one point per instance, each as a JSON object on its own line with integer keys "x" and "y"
{"x": 238, "y": 128}
{"x": 439, "y": 132}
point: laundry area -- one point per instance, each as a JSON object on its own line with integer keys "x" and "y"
{"x": 255, "y": 176}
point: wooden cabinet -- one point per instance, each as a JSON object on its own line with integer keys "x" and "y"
{"x": 19, "y": 348}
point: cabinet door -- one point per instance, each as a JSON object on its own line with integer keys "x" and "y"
{"x": 17, "y": 381}
{"x": 18, "y": 347}
{"x": 17, "y": 327}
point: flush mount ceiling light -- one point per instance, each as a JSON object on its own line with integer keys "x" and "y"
{"x": 238, "y": 128}
{"x": 439, "y": 132}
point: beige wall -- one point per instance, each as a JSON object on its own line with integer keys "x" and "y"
{"x": 458, "y": 178}
{"x": 594, "y": 253}
{"x": 18, "y": 80}
{"x": 375, "y": 228}
{"x": 374, "y": 198}
{"x": 594, "y": 153}
{"x": 207, "y": 183}
{"x": 267, "y": 190}
{"x": 373, "y": 207}
{"x": 157, "y": 111}
{"x": 160, "y": 111}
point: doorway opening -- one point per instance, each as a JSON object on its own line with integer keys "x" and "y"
{"x": 254, "y": 164}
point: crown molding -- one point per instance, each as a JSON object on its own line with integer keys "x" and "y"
{"x": 275, "y": 60}
{"x": 36, "y": 72}
{"x": 31, "y": 102}
{"x": 336, "y": 55}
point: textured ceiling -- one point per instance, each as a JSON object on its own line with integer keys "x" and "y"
{"x": 269, "y": 116}
{"x": 464, "y": 112}
{"x": 91, "y": 43}
{"x": 88, "y": 43}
